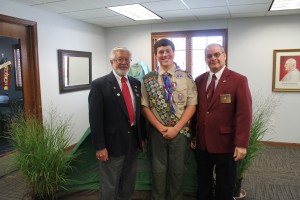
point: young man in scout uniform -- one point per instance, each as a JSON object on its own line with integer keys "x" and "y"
{"x": 169, "y": 98}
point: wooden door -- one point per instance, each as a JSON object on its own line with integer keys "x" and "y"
{"x": 26, "y": 32}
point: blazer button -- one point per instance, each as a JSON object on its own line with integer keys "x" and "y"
{"x": 207, "y": 112}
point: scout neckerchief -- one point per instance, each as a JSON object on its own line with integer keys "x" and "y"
{"x": 157, "y": 96}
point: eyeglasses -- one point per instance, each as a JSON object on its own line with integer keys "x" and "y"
{"x": 120, "y": 60}
{"x": 217, "y": 55}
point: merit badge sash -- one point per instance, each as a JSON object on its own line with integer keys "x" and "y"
{"x": 156, "y": 98}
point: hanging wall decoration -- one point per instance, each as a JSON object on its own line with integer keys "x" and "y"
{"x": 5, "y": 75}
{"x": 286, "y": 70}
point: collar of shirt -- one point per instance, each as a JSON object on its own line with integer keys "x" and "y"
{"x": 171, "y": 71}
{"x": 218, "y": 76}
{"x": 119, "y": 78}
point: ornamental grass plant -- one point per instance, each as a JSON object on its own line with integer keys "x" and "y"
{"x": 40, "y": 152}
{"x": 263, "y": 109}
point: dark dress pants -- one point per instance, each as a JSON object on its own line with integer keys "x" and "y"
{"x": 118, "y": 174}
{"x": 224, "y": 167}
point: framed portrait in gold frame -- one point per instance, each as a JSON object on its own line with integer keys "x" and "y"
{"x": 286, "y": 70}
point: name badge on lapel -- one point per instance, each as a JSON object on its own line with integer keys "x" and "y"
{"x": 225, "y": 98}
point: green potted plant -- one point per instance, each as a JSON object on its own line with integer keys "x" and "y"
{"x": 263, "y": 109}
{"x": 40, "y": 152}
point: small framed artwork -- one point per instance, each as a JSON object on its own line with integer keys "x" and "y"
{"x": 286, "y": 70}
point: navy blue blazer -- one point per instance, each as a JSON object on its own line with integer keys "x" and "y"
{"x": 108, "y": 115}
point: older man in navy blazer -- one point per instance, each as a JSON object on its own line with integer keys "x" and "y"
{"x": 115, "y": 128}
{"x": 222, "y": 121}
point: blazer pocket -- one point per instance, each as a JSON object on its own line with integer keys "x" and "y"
{"x": 226, "y": 130}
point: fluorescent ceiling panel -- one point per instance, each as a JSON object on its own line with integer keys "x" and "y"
{"x": 285, "y": 5}
{"x": 135, "y": 12}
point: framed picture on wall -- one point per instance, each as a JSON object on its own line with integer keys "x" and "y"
{"x": 286, "y": 70}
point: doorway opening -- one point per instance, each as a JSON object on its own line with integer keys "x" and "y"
{"x": 19, "y": 80}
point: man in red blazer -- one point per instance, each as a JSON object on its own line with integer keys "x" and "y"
{"x": 222, "y": 125}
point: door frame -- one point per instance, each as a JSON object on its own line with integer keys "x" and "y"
{"x": 30, "y": 72}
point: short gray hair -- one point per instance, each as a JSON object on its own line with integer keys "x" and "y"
{"x": 116, "y": 49}
{"x": 214, "y": 44}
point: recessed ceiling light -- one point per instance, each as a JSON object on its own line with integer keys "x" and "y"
{"x": 135, "y": 12}
{"x": 285, "y": 5}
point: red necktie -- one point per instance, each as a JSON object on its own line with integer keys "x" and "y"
{"x": 211, "y": 88}
{"x": 127, "y": 98}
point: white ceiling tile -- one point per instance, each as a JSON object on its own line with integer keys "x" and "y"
{"x": 146, "y": 1}
{"x": 248, "y": 2}
{"x": 205, "y": 3}
{"x": 154, "y": 21}
{"x": 26, "y": 2}
{"x": 175, "y": 13}
{"x": 210, "y": 11}
{"x": 71, "y": 5}
{"x": 94, "y": 13}
{"x": 182, "y": 19}
{"x": 209, "y": 17}
{"x": 249, "y": 8}
{"x": 284, "y": 12}
{"x": 165, "y": 6}
{"x": 50, "y": 8}
{"x": 107, "y": 3}
{"x": 46, "y": 1}
{"x": 242, "y": 15}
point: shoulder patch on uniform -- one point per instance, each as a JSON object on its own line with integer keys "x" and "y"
{"x": 150, "y": 74}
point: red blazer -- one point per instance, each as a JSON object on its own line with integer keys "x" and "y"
{"x": 224, "y": 123}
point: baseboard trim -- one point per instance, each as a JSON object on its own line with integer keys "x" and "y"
{"x": 286, "y": 144}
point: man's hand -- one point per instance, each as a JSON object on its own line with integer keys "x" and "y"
{"x": 239, "y": 153}
{"x": 193, "y": 143}
{"x": 102, "y": 155}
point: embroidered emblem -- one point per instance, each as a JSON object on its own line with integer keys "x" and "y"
{"x": 179, "y": 75}
{"x": 180, "y": 96}
{"x": 174, "y": 85}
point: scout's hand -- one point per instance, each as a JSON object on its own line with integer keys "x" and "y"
{"x": 170, "y": 133}
{"x": 163, "y": 130}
